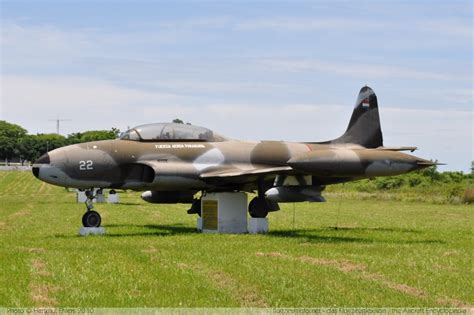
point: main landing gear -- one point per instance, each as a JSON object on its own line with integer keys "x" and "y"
{"x": 91, "y": 218}
{"x": 195, "y": 207}
{"x": 260, "y": 206}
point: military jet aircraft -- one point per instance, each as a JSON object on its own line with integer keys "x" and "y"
{"x": 172, "y": 163}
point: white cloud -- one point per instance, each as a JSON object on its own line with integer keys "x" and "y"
{"x": 54, "y": 93}
{"x": 214, "y": 86}
{"x": 303, "y": 24}
{"x": 357, "y": 70}
{"x": 449, "y": 27}
{"x": 49, "y": 45}
{"x": 444, "y": 134}
{"x": 443, "y": 26}
{"x": 439, "y": 26}
{"x": 193, "y": 23}
{"x": 446, "y": 95}
{"x": 45, "y": 42}
{"x": 88, "y": 101}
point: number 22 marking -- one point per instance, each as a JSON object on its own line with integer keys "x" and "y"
{"x": 86, "y": 165}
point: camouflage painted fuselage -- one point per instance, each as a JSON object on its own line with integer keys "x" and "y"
{"x": 227, "y": 165}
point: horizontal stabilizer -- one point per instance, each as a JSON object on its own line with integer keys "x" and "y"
{"x": 429, "y": 163}
{"x": 411, "y": 149}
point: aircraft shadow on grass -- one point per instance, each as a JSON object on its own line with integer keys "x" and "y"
{"x": 340, "y": 235}
{"x": 372, "y": 229}
{"x": 305, "y": 235}
{"x": 153, "y": 230}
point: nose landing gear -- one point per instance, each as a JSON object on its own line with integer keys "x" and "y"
{"x": 91, "y": 218}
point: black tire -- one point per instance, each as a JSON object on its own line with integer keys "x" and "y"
{"x": 91, "y": 219}
{"x": 195, "y": 207}
{"x": 197, "y": 204}
{"x": 257, "y": 208}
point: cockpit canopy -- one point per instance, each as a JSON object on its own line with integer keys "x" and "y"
{"x": 171, "y": 132}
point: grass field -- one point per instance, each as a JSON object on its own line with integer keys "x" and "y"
{"x": 383, "y": 253}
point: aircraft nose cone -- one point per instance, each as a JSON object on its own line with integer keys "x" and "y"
{"x": 44, "y": 159}
{"x": 36, "y": 171}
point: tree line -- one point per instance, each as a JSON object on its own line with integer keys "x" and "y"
{"x": 17, "y": 145}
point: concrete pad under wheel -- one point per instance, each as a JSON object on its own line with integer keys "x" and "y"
{"x": 258, "y": 225}
{"x": 84, "y": 231}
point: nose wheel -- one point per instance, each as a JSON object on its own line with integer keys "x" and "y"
{"x": 91, "y": 218}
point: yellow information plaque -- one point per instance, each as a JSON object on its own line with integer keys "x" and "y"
{"x": 209, "y": 214}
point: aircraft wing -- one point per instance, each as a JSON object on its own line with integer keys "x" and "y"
{"x": 236, "y": 171}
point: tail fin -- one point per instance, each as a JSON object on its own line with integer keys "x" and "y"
{"x": 364, "y": 127}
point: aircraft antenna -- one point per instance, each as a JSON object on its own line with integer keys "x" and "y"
{"x": 58, "y": 120}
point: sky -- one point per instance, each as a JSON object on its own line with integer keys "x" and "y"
{"x": 246, "y": 69}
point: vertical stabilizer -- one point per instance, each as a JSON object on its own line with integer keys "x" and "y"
{"x": 364, "y": 127}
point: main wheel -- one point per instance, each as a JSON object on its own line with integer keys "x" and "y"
{"x": 257, "y": 208}
{"x": 91, "y": 219}
{"x": 195, "y": 207}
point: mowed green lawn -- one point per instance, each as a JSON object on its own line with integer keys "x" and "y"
{"x": 383, "y": 254}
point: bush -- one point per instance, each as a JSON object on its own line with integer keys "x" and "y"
{"x": 414, "y": 181}
{"x": 365, "y": 186}
{"x": 427, "y": 185}
{"x": 388, "y": 183}
{"x": 455, "y": 194}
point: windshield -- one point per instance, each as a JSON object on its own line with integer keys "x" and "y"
{"x": 169, "y": 132}
{"x": 130, "y": 135}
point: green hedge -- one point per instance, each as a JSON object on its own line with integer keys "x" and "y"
{"x": 426, "y": 185}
